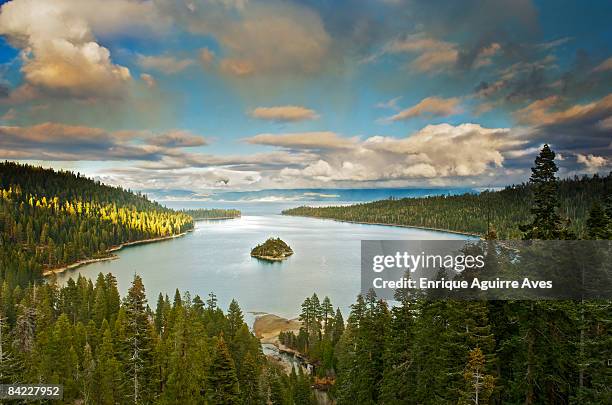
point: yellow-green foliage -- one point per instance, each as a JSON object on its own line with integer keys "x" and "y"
{"x": 49, "y": 219}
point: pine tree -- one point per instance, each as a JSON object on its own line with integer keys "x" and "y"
{"x": 276, "y": 390}
{"x": 547, "y": 328}
{"x": 315, "y": 328}
{"x": 546, "y": 223}
{"x": 101, "y": 306}
{"x": 7, "y": 361}
{"x": 327, "y": 314}
{"x": 399, "y": 376}
{"x": 338, "y": 326}
{"x": 478, "y": 384}
{"x": 8, "y": 303}
{"x": 138, "y": 342}
{"x": 249, "y": 381}
{"x": 183, "y": 382}
{"x": 361, "y": 351}
{"x": 306, "y": 317}
{"x": 178, "y": 301}
{"x": 347, "y": 352}
{"x": 211, "y": 302}
{"x": 598, "y": 223}
{"x": 112, "y": 297}
{"x": 88, "y": 377}
{"x": 311, "y": 318}
{"x": 63, "y": 358}
{"x": 108, "y": 373}
{"x": 198, "y": 305}
{"x": 159, "y": 313}
{"x": 222, "y": 380}
{"x": 302, "y": 394}
{"x": 235, "y": 319}
{"x": 595, "y": 342}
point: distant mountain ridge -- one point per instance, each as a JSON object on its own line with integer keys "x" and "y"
{"x": 501, "y": 211}
{"x": 304, "y": 194}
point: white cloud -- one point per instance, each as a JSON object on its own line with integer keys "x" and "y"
{"x": 485, "y": 56}
{"x": 432, "y": 55}
{"x": 446, "y": 150}
{"x": 545, "y": 111}
{"x": 592, "y": 163}
{"x": 390, "y": 104}
{"x": 433, "y": 106}
{"x": 58, "y": 142}
{"x": 206, "y": 56}
{"x": 149, "y": 80}
{"x": 433, "y": 153}
{"x": 113, "y": 17}
{"x": 267, "y": 38}
{"x": 604, "y": 66}
{"x": 60, "y": 54}
{"x": 177, "y": 139}
{"x": 200, "y": 179}
{"x": 237, "y": 67}
{"x": 286, "y": 113}
{"x": 304, "y": 140}
{"x": 605, "y": 124}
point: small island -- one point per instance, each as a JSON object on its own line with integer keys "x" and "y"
{"x": 274, "y": 249}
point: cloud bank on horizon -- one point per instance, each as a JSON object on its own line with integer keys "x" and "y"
{"x": 233, "y": 95}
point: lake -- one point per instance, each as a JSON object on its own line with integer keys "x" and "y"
{"x": 215, "y": 257}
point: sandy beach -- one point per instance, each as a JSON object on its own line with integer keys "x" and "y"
{"x": 267, "y": 327}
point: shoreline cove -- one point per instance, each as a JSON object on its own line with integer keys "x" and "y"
{"x": 110, "y": 251}
{"x": 394, "y": 225}
{"x": 215, "y": 218}
{"x": 327, "y": 256}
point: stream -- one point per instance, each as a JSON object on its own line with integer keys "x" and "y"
{"x": 289, "y": 360}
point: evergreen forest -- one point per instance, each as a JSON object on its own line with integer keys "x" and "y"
{"x": 105, "y": 349}
{"x": 50, "y": 219}
{"x": 211, "y": 213}
{"x": 499, "y": 211}
{"x": 448, "y": 351}
{"x": 108, "y": 350}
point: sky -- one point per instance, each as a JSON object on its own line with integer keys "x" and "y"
{"x": 235, "y": 95}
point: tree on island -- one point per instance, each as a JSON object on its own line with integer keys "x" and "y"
{"x": 272, "y": 249}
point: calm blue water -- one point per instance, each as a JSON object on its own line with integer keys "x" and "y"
{"x": 216, "y": 257}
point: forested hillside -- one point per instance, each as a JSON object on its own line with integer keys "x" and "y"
{"x": 108, "y": 350}
{"x": 49, "y": 219}
{"x": 105, "y": 350}
{"x": 101, "y": 348}
{"x": 211, "y": 213}
{"x": 448, "y": 351}
{"x": 502, "y": 211}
